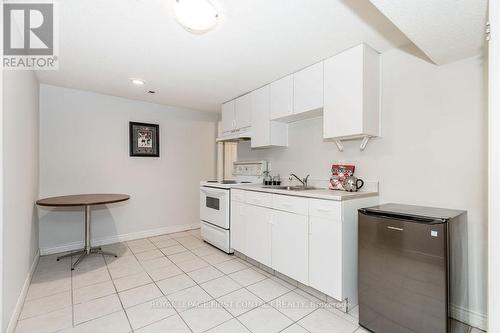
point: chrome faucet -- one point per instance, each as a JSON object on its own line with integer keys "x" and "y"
{"x": 303, "y": 181}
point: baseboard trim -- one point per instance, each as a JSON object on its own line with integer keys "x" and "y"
{"x": 119, "y": 238}
{"x": 20, "y": 300}
{"x": 472, "y": 318}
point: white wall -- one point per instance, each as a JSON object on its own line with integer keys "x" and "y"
{"x": 433, "y": 151}
{"x": 20, "y": 156}
{"x": 494, "y": 170}
{"x": 84, "y": 148}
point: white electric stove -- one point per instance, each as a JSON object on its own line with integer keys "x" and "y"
{"x": 215, "y": 202}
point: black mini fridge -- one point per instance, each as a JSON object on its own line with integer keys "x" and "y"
{"x": 412, "y": 268}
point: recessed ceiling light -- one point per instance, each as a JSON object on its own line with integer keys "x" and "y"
{"x": 138, "y": 82}
{"x": 196, "y": 16}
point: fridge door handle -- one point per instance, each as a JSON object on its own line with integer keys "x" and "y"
{"x": 395, "y": 228}
{"x": 426, "y": 220}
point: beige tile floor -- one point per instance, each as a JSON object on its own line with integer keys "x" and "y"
{"x": 171, "y": 283}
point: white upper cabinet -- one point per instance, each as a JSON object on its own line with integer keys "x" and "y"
{"x": 345, "y": 89}
{"x": 228, "y": 122}
{"x": 281, "y": 98}
{"x": 243, "y": 111}
{"x": 237, "y": 114}
{"x": 299, "y": 95}
{"x": 308, "y": 89}
{"x": 352, "y": 94}
{"x": 265, "y": 132}
{"x": 260, "y": 117}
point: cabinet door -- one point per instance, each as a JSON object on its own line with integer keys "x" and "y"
{"x": 243, "y": 111}
{"x": 228, "y": 117}
{"x": 343, "y": 110}
{"x": 308, "y": 89}
{"x": 290, "y": 245}
{"x": 260, "y": 117}
{"x": 281, "y": 97}
{"x": 352, "y": 93}
{"x": 238, "y": 225}
{"x": 258, "y": 234}
{"x": 325, "y": 255}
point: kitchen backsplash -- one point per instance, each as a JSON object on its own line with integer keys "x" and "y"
{"x": 308, "y": 153}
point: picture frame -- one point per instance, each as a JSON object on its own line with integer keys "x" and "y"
{"x": 144, "y": 139}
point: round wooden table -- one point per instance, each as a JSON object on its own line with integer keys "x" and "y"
{"x": 83, "y": 200}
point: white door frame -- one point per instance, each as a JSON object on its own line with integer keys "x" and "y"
{"x": 494, "y": 169}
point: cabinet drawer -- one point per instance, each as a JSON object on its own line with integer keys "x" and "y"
{"x": 258, "y": 198}
{"x": 291, "y": 204}
{"x": 326, "y": 209}
{"x": 238, "y": 195}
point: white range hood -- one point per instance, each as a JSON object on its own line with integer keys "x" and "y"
{"x": 235, "y": 136}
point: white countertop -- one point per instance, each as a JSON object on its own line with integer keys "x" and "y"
{"x": 316, "y": 193}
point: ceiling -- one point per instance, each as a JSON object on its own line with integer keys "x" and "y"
{"x": 445, "y": 30}
{"x": 104, "y": 43}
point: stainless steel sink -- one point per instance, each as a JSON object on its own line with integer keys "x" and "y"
{"x": 290, "y": 188}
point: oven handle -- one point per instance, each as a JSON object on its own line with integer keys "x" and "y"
{"x": 214, "y": 193}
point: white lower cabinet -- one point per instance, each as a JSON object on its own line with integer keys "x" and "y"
{"x": 313, "y": 241}
{"x": 238, "y": 226}
{"x": 325, "y": 255}
{"x": 258, "y": 233}
{"x": 290, "y": 245}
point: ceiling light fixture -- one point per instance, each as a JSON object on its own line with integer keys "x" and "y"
{"x": 196, "y": 16}
{"x": 138, "y": 82}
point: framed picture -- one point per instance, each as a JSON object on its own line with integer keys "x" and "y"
{"x": 144, "y": 139}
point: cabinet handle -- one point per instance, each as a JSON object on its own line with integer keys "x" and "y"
{"x": 395, "y": 228}
{"x": 323, "y": 210}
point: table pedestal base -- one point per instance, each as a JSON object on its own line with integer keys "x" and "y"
{"x": 87, "y": 250}
{"x": 83, "y": 253}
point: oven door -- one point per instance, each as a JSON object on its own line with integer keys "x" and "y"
{"x": 214, "y": 206}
